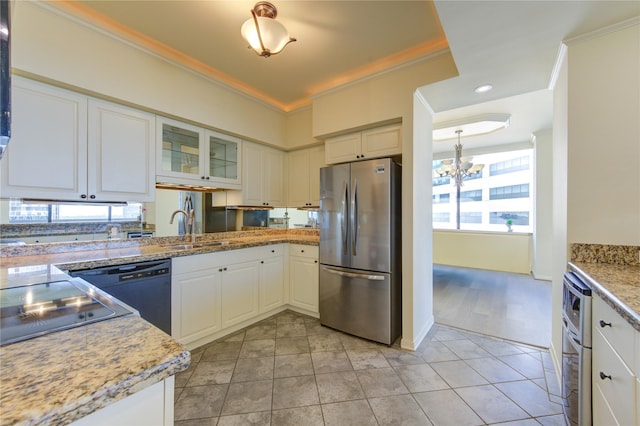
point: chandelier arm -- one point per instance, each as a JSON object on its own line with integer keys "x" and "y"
{"x": 265, "y": 52}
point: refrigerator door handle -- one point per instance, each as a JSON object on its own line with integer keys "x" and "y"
{"x": 369, "y": 277}
{"x": 354, "y": 219}
{"x": 345, "y": 201}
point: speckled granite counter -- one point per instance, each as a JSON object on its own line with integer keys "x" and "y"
{"x": 614, "y": 274}
{"x": 84, "y": 255}
{"x": 64, "y": 376}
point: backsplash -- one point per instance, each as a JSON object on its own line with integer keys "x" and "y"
{"x": 604, "y": 253}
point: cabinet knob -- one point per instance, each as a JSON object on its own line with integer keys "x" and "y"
{"x": 224, "y": 269}
{"x": 262, "y": 261}
{"x": 604, "y": 376}
{"x": 315, "y": 261}
{"x": 201, "y": 177}
{"x": 207, "y": 177}
{"x": 93, "y": 197}
{"x": 301, "y": 251}
{"x": 83, "y": 196}
{"x": 273, "y": 251}
{"x": 604, "y": 324}
{"x": 220, "y": 270}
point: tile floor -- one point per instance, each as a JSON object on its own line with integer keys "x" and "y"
{"x": 290, "y": 370}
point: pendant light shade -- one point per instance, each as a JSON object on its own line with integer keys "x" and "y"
{"x": 264, "y": 34}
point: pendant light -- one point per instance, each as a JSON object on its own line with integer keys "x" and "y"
{"x": 264, "y": 34}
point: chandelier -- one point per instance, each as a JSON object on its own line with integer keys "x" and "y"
{"x": 458, "y": 169}
{"x": 264, "y": 34}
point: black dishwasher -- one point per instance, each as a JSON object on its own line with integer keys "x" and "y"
{"x": 145, "y": 286}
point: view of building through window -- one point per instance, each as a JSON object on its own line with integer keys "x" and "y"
{"x": 499, "y": 198}
{"x": 29, "y": 212}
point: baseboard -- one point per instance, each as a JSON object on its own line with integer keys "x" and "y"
{"x": 557, "y": 364}
{"x": 413, "y": 343}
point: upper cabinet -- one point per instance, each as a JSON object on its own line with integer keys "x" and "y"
{"x": 262, "y": 177}
{"x": 372, "y": 143}
{"x": 70, "y": 147}
{"x": 191, "y": 155}
{"x": 304, "y": 177}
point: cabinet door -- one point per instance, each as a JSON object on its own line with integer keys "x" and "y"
{"x": 271, "y": 283}
{"x": 223, "y": 165}
{"x": 303, "y": 276}
{"x": 341, "y": 149}
{"x": 197, "y": 294}
{"x": 274, "y": 194}
{"x": 239, "y": 292}
{"x": 179, "y": 148}
{"x": 47, "y": 156}
{"x": 381, "y": 142}
{"x": 316, "y": 162}
{"x": 299, "y": 178}
{"x": 121, "y": 153}
{"x": 252, "y": 177}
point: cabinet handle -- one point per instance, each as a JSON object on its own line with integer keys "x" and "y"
{"x": 604, "y": 376}
{"x": 604, "y": 324}
{"x": 83, "y": 196}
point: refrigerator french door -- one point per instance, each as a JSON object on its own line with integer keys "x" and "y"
{"x": 360, "y": 240}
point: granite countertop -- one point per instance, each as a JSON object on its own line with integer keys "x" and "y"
{"x": 618, "y": 285}
{"x": 61, "y": 377}
{"x": 101, "y": 254}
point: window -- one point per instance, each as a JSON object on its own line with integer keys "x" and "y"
{"x": 509, "y": 166}
{"x": 470, "y": 217}
{"x": 511, "y": 191}
{"x": 489, "y": 199}
{"x": 441, "y": 198}
{"x": 21, "y": 212}
{"x": 475, "y": 195}
{"x": 441, "y": 217}
{"x": 517, "y": 218}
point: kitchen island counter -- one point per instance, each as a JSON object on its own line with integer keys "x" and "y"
{"x": 61, "y": 377}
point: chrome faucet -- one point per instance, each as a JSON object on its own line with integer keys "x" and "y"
{"x": 190, "y": 221}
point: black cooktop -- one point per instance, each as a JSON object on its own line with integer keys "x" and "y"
{"x": 31, "y": 311}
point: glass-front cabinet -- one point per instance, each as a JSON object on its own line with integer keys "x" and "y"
{"x": 192, "y": 155}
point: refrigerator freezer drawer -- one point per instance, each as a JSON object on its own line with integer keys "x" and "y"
{"x": 362, "y": 303}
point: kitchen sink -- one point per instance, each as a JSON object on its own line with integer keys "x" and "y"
{"x": 195, "y": 245}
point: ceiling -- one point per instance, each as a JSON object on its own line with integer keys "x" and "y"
{"x": 511, "y": 44}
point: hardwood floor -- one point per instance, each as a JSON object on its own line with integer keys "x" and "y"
{"x": 509, "y": 306}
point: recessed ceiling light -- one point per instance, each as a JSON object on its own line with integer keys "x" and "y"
{"x": 484, "y": 88}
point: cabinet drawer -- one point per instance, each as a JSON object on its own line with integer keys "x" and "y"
{"x": 619, "y": 390}
{"x": 301, "y": 250}
{"x": 619, "y": 333}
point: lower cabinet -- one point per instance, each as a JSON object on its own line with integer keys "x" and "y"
{"x": 240, "y": 292}
{"x": 197, "y": 294}
{"x": 152, "y": 406}
{"x": 214, "y": 291}
{"x": 614, "y": 358}
{"x": 303, "y": 277}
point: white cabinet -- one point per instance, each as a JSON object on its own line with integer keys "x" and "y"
{"x": 271, "y": 277}
{"x": 239, "y": 292}
{"x": 152, "y": 406}
{"x": 191, "y": 155}
{"x": 67, "y": 146}
{"x": 614, "y": 359}
{"x": 195, "y": 302}
{"x": 304, "y": 277}
{"x": 304, "y": 177}
{"x": 373, "y": 143}
{"x": 262, "y": 180}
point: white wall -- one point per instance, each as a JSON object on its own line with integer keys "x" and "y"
{"x": 417, "y": 269}
{"x": 604, "y": 138}
{"x": 495, "y": 251}
{"x": 53, "y": 46}
{"x": 542, "y": 268}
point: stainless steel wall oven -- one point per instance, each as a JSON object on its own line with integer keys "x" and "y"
{"x": 576, "y": 350}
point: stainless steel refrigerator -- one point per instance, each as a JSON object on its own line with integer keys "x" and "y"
{"x": 360, "y": 249}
